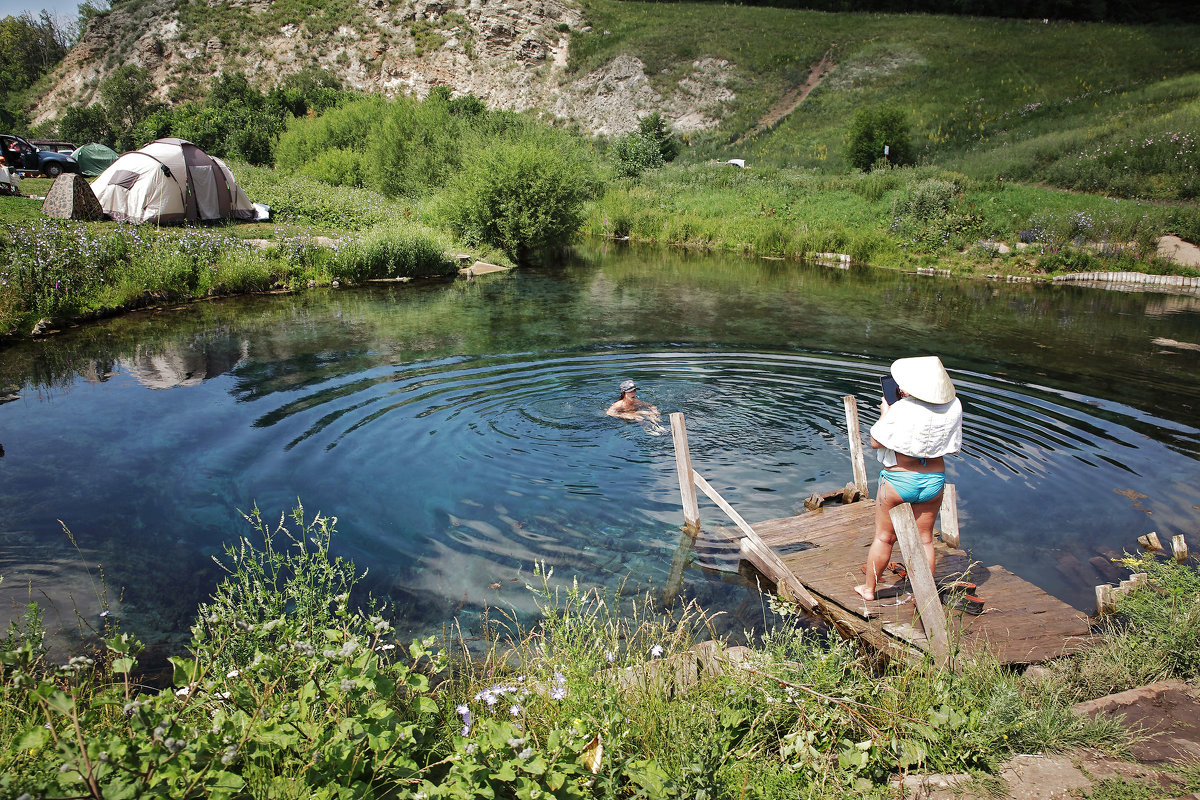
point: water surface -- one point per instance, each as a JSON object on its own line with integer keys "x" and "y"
{"x": 457, "y": 430}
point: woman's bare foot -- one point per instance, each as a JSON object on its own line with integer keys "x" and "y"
{"x": 864, "y": 592}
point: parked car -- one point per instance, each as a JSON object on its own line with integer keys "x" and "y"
{"x": 24, "y": 157}
{"x": 53, "y": 144}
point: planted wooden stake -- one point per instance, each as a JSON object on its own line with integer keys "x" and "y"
{"x": 1104, "y": 599}
{"x": 856, "y": 448}
{"x": 929, "y": 602}
{"x": 1150, "y": 542}
{"x": 1179, "y": 548}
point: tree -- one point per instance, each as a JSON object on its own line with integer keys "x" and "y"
{"x": 873, "y": 129}
{"x": 656, "y": 128}
{"x": 81, "y": 124}
{"x": 126, "y": 97}
{"x": 29, "y": 48}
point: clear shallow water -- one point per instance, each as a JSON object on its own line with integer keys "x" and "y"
{"x": 458, "y": 430}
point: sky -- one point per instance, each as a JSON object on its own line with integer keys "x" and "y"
{"x": 59, "y": 8}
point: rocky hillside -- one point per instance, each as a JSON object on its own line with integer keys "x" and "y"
{"x": 510, "y": 53}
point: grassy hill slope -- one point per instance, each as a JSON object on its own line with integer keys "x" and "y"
{"x": 1014, "y": 99}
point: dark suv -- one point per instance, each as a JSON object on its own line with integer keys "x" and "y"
{"x": 22, "y": 156}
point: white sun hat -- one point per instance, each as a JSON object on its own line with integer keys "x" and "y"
{"x": 924, "y": 378}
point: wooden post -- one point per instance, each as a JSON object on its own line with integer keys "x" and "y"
{"x": 1179, "y": 548}
{"x": 856, "y": 448}
{"x": 929, "y": 602}
{"x": 1150, "y": 542}
{"x": 683, "y": 467}
{"x": 949, "y": 516}
{"x": 1104, "y": 599}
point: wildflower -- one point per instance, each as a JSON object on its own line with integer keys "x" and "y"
{"x": 182, "y": 691}
{"x": 515, "y": 710}
{"x": 558, "y": 693}
{"x": 233, "y": 673}
{"x": 656, "y": 651}
{"x": 528, "y": 751}
{"x": 610, "y": 656}
{"x": 348, "y": 685}
{"x": 465, "y": 713}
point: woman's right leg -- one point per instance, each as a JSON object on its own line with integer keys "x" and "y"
{"x": 885, "y": 538}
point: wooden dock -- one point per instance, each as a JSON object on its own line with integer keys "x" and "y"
{"x": 814, "y": 559}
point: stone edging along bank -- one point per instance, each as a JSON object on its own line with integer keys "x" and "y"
{"x": 1117, "y": 281}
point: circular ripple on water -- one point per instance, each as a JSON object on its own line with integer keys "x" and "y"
{"x": 471, "y": 469}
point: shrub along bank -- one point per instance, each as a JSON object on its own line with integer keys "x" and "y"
{"x": 290, "y": 689}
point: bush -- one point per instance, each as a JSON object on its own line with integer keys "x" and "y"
{"x": 343, "y": 128}
{"x": 523, "y": 195}
{"x": 634, "y": 153}
{"x": 873, "y": 129}
{"x": 416, "y": 149}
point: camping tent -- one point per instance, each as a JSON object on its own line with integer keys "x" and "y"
{"x": 94, "y": 158}
{"x": 170, "y": 180}
{"x": 70, "y": 197}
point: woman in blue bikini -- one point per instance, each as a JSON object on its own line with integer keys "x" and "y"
{"x": 911, "y": 438}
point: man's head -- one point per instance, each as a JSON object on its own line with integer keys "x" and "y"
{"x": 628, "y": 387}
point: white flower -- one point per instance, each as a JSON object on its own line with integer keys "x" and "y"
{"x": 656, "y": 651}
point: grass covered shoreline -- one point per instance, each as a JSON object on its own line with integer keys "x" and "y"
{"x": 901, "y": 218}
{"x": 295, "y": 686}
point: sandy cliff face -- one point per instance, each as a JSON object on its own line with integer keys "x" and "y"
{"x": 510, "y": 53}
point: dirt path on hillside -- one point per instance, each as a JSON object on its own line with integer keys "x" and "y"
{"x": 794, "y": 97}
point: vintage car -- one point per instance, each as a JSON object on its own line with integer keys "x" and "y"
{"x": 23, "y": 157}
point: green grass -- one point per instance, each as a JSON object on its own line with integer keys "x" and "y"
{"x": 287, "y": 685}
{"x": 796, "y": 214}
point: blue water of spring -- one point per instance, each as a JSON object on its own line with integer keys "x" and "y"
{"x": 457, "y": 430}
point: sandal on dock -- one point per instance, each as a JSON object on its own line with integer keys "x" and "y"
{"x": 961, "y": 598}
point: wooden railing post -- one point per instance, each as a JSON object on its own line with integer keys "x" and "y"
{"x": 857, "y": 461}
{"x": 929, "y": 603}
{"x": 949, "y": 516}
{"x": 683, "y": 466}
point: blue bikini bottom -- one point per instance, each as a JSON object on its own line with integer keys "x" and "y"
{"x": 914, "y": 487}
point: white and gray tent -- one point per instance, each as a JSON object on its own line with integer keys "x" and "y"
{"x": 171, "y": 181}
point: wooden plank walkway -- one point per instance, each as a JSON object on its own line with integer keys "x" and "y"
{"x": 1021, "y": 624}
